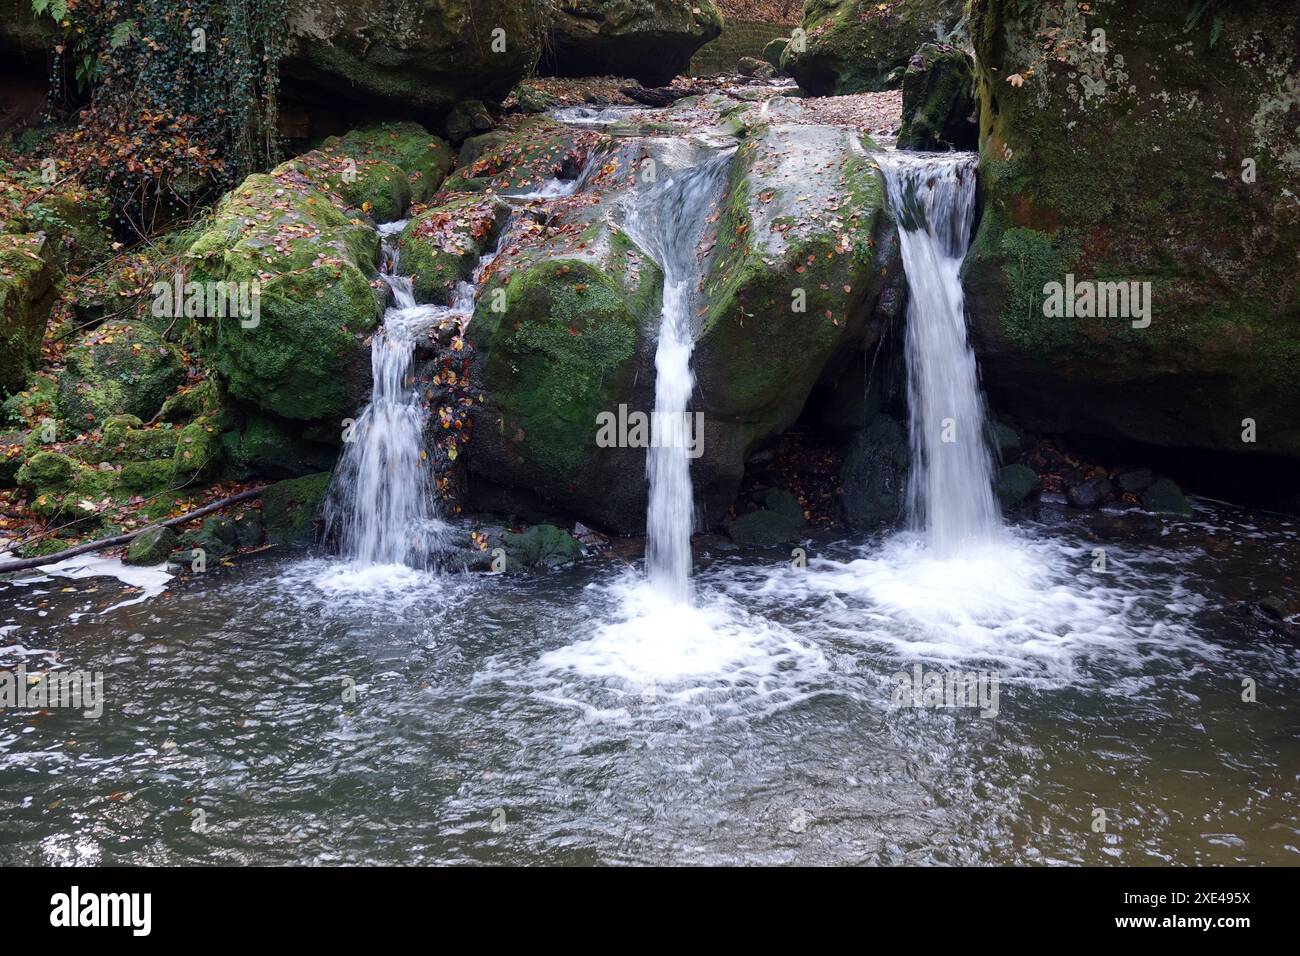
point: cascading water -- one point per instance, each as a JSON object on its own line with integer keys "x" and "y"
{"x": 950, "y": 488}
{"x": 667, "y": 221}
{"x": 383, "y": 504}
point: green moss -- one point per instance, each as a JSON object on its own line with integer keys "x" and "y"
{"x": 122, "y": 367}
{"x": 289, "y": 508}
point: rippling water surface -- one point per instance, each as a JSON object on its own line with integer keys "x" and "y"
{"x": 577, "y": 717}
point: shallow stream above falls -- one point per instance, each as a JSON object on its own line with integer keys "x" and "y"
{"x": 755, "y": 727}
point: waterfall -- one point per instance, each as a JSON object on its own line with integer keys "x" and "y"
{"x": 382, "y": 504}
{"x": 667, "y": 221}
{"x": 950, "y": 487}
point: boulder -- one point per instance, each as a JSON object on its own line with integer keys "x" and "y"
{"x": 1168, "y": 158}
{"x": 779, "y": 521}
{"x": 756, "y": 68}
{"x": 122, "y": 367}
{"x": 854, "y": 46}
{"x": 1089, "y": 493}
{"x": 541, "y": 547}
{"x": 313, "y": 263}
{"x": 419, "y": 60}
{"x": 773, "y": 51}
{"x": 649, "y": 40}
{"x": 804, "y": 252}
{"x": 289, "y": 509}
{"x": 27, "y": 289}
{"x": 939, "y": 100}
{"x": 151, "y": 546}
{"x": 1015, "y": 483}
{"x": 441, "y": 246}
{"x": 1164, "y": 497}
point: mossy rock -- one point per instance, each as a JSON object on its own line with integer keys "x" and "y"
{"x": 779, "y": 521}
{"x": 46, "y": 469}
{"x": 27, "y": 289}
{"x": 273, "y": 448}
{"x": 939, "y": 100}
{"x": 441, "y": 246}
{"x": 1015, "y": 483}
{"x": 313, "y": 262}
{"x": 122, "y": 367}
{"x": 151, "y": 546}
{"x": 542, "y": 546}
{"x": 204, "y": 398}
{"x": 521, "y": 155}
{"x": 289, "y": 509}
{"x": 1124, "y": 162}
{"x": 566, "y": 346}
{"x": 198, "y": 452}
{"x": 856, "y": 46}
{"x": 805, "y": 249}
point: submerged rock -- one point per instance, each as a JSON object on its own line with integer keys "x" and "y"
{"x": 780, "y": 521}
{"x": 939, "y": 100}
{"x": 854, "y": 46}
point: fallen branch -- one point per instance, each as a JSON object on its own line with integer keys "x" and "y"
{"x": 25, "y": 563}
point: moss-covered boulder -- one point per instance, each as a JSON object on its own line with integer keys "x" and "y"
{"x": 421, "y": 59}
{"x": 650, "y": 40}
{"x": 939, "y": 100}
{"x": 312, "y": 262}
{"x": 541, "y": 547}
{"x": 853, "y": 46}
{"x": 151, "y": 546}
{"x": 290, "y": 508}
{"x": 423, "y": 158}
{"x": 804, "y": 250}
{"x": 441, "y": 246}
{"x": 1153, "y": 149}
{"x": 780, "y": 520}
{"x": 559, "y": 338}
{"x": 1015, "y": 483}
{"x": 522, "y": 154}
{"x": 122, "y": 367}
{"x": 27, "y": 290}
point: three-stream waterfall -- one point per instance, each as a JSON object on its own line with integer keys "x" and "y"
{"x": 950, "y": 486}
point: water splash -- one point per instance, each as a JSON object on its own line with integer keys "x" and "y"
{"x": 667, "y": 221}
{"x": 950, "y": 487}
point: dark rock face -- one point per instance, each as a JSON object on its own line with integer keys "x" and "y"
{"x": 854, "y": 46}
{"x": 649, "y": 40}
{"x": 939, "y": 100}
{"x": 873, "y": 478}
{"x": 419, "y": 58}
{"x": 1169, "y": 158}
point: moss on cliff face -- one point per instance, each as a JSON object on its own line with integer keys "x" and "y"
{"x": 1124, "y": 157}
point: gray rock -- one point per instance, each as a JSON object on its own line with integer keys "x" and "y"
{"x": 1164, "y": 497}
{"x": 1090, "y": 493}
{"x": 1015, "y": 483}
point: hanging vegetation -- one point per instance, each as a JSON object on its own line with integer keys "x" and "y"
{"x": 179, "y": 98}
